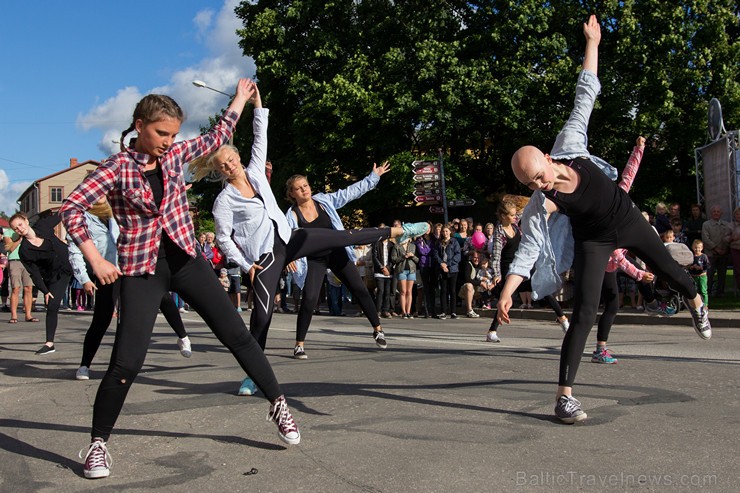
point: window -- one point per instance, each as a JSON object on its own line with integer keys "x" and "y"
{"x": 56, "y": 195}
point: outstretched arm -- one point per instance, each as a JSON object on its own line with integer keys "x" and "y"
{"x": 633, "y": 164}
{"x": 592, "y": 31}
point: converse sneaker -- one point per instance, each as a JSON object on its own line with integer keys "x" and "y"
{"x": 453, "y": 315}
{"x": 247, "y": 387}
{"x": 97, "y": 460}
{"x": 299, "y": 353}
{"x": 492, "y": 337}
{"x": 603, "y": 356}
{"x": 280, "y": 415}
{"x": 45, "y": 350}
{"x": 83, "y": 373}
{"x": 564, "y": 323}
{"x": 412, "y": 230}
{"x": 568, "y": 410}
{"x": 379, "y": 337}
{"x": 184, "y": 345}
{"x": 701, "y": 320}
{"x": 472, "y": 314}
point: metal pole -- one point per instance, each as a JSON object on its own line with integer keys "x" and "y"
{"x": 442, "y": 183}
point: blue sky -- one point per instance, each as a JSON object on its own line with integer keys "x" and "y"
{"x": 73, "y": 72}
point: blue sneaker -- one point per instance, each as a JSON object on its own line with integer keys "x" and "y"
{"x": 660, "y": 309}
{"x": 412, "y": 230}
{"x": 248, "y": 387}
{"x": 603, "y": 356}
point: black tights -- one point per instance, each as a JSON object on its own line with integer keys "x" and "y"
{"x": 57, "y": 288}
{"x": 591, "y": 257}
{"x": 447, "y": 286}
{"x": 341, "y": 265}
{"x": 302, "y": 243}
{"x": 194, "y": 281}
{"x": 105, "y": 304}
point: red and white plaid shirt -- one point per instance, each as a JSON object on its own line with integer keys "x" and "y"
{"x": 141, "y": 222}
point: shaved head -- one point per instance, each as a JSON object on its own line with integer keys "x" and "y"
{"x": 526, "y": 162}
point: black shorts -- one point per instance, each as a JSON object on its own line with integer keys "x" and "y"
{"x": 235, "y": 284}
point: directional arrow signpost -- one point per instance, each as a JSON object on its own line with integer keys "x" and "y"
{"x": 460, "y": 203}
{"x": 429, "y": 184}
{"x": 427, "y": 199}
{"x": 426, "y": 178}
{"x": 427, "y": 191}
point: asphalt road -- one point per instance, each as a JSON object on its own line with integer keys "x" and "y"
{"x": 438, "y": 411}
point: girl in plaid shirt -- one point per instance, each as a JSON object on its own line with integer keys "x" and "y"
{"x": 157, "y": 253}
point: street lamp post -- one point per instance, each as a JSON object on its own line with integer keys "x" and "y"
{"x": 200, "y": 83}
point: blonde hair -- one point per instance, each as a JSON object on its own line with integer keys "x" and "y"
{"x": 205, "y": 166}
{"x": 102, "y": 211}
{"x": 289, "y": 185}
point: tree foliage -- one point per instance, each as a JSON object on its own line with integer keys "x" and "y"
{"x": 352, "y": 82}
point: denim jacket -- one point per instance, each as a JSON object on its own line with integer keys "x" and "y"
{"x": 103, "y": 237}
{"x": 547, "y": 242}
{"x": 331, "y": 202}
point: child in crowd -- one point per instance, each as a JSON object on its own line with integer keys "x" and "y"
{"x": 485, "y": 275}
{"x": 224, "y": 279}
{"x": 668, "y": 236}
{"x": 698, "y": 270}
{"x": 678, "y": 233}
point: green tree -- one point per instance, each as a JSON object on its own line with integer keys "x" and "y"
{"x": 350, "y": 83}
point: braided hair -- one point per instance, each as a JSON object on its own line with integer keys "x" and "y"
{"x": 153, "y": 108}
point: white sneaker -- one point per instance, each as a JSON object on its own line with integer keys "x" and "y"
{"x": 492, "y": 337}
{"x": 564, "y": 324}
{"x": 83, "y": 373}
{"x": 472, "y": 314}
{"x": 184, "y": 345}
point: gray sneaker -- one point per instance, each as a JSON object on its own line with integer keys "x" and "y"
{"x": 701, "y": 320}
{"x": 568, "y": 410}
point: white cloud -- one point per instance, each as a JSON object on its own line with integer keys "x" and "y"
{"x": 9, "y": 193}
{"x": 220, "y": 70}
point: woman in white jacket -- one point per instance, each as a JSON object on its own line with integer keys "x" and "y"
{"x": 253, "y": 232}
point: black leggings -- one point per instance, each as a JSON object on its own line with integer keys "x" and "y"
{"x": 447, "y": 286}
{"x": 105, "y": 304}
{"x": 141, "y": 296}
{"x": 429, "y": 288}
{"x": 590, "y": 261}
{"x": 57, "y": 287}
{"x": 302, "y": 243}
{"x": 524, "y": 287}
{"x": 341, "y": 265}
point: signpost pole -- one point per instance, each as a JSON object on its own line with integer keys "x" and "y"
{"x": 442, "y": 182}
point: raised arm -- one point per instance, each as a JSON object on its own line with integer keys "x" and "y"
{"x": 592, "y": 31}
{"x": 633, "y": 164}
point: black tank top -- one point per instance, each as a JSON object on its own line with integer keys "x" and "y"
{"x": 509, "y": 250}
{"x": 597, "y": 206}
{"x": 322, "y": 221}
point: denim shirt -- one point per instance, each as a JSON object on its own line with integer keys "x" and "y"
{"x": 104, "y": 238}
{"x": 331, "y": 202}
{"x": 547, "y": 242}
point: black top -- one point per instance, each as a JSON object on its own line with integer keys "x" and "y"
{"x": 50, "y": 260}
{"x": 509, "y": 250}
{"x": 322, "y": 221}
{"x": 596, "y": 207}
{"x": 156, "y": 183}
